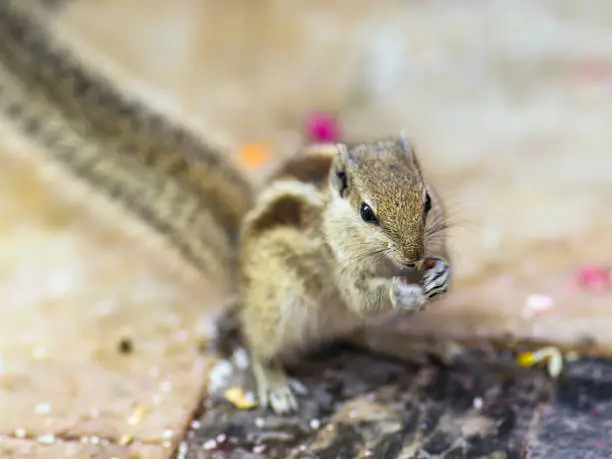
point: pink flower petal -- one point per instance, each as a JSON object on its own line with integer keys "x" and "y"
{"x": 593, "y": 277}
{"x": 322, "y": 127}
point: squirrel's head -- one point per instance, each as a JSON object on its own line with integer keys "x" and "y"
{"x": 380, "y": 198}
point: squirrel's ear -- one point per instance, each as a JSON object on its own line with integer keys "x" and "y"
{"x": 337, "y": 175}
{"x": 408, "y": 149}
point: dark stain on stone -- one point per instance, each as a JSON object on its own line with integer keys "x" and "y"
{"x": 125, "y": 346}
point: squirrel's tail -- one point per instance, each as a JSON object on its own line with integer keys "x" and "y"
{"x": 157, "y": 169}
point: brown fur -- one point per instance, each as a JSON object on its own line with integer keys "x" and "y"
{"x": 312, "y": 166}
{"x": 286, "y": 210}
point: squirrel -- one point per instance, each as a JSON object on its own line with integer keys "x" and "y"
{"x": 316, "y": 262}
{"x": 339, "y": 235}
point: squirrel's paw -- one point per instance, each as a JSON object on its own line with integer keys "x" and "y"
{"x": 407, "y": 297}
{"x": 276, "y": 391}
{"x": 436, "y": 279}
{"x": 281, "y": 399}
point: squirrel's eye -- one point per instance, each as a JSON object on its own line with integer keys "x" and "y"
{"x": 367, "y": 214}
{"x": 427, "y": 202}
{"x": 341, "y": 177}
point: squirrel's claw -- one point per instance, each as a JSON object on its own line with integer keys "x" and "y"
{"x": 436, "y": 280}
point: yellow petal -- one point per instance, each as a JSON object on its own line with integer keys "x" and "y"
{"x": 239, "y": 399}
{"x": 525, "y": 359}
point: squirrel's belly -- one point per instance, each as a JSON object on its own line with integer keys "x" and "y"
{"x": 311, "y": 321}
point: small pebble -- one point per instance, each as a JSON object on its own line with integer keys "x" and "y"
{"x": 166, "y": 386}
{"x": 219, "y": 375}
{"x": 195, "y": 424}
{"x": 46, "y": 439}
{"x": 125, "y": 440}
{"x": 258, "y": 449}
{"x": 20, "y": 432}
{"x": 478, "y": 403}
{"x": 241, "y": 358}
{"x": 168, "y": 433}
{"x": 210, "y": 444}
{"x": 315, "y": 424}
{"x": 137, "y": 415}
{"x": 260, "y": 422}
{"x": 535, "y": 304}
{"x": 43, "y": 408}
{"x": 182, "y": 451}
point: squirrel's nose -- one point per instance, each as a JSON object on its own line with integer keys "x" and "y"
{"x": 413, "y": 265}
{"x": 413, "y": 255}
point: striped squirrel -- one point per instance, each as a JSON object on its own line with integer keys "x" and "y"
{"x": 340, "y": 235}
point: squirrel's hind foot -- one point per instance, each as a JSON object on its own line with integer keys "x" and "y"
{"x": 276, "y": 390}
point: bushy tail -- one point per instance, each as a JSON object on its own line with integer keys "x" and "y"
{"x": 155, "y": 168}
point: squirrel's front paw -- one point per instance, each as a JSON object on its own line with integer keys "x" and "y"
{"x": 437, "y": 276}
{"x": 407, "y": 297}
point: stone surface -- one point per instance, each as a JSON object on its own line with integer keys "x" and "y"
{"x": 510, "y": 110}
{"x": 363, "y": 405}
{"x": 91, "y": 333}
{"x": 579, "y": 421}
{"x": 24, "y": 449}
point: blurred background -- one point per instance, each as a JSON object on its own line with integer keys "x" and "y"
{"x": 510, "y": 109}
{"x": 508, "y": 106}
